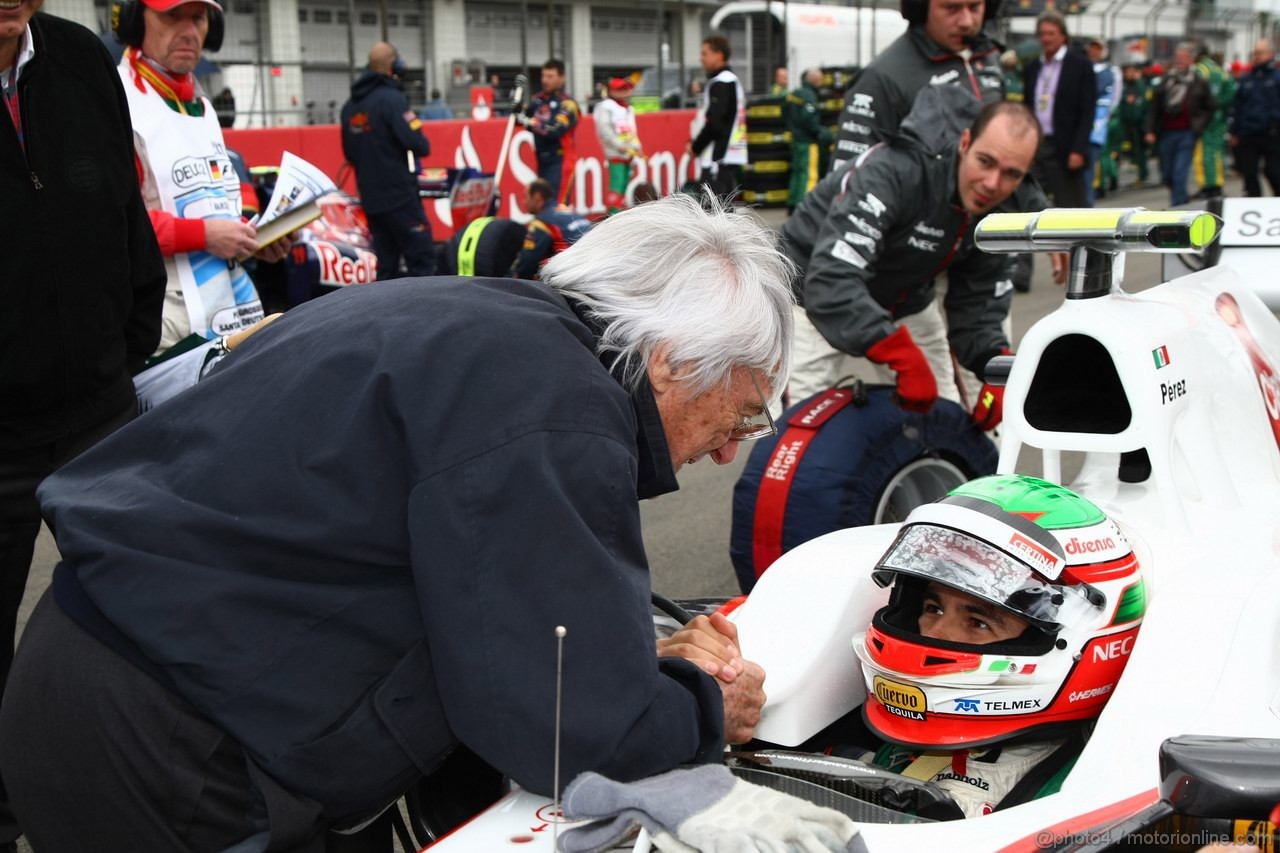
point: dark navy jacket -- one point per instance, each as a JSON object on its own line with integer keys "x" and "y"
{"x": 377, "y": 129}
{"x": 350, "y": 546}
{"x": 1257, "y": 104}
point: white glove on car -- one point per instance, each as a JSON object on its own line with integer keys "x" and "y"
{"x": 702, "y": 810}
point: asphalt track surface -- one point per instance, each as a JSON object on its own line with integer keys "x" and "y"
{"x": 687, "y": 533}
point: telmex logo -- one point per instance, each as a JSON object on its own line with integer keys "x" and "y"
{"x": 1033, "y": 552}
{"x": 903, "y": 700}
{"x": 1090, "y": 546}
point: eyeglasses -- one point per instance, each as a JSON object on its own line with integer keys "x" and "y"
{"x": 755, "y": 427}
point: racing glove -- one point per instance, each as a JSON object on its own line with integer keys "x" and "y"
{"x": 917, "y": 387}
{"x": 703, "y": 809}
{"x": 989, "y": 409}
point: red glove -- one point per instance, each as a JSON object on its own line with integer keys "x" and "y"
{"x": 990, "y": 408}
{"x": 917, "y": 387}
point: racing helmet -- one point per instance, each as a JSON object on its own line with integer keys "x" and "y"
{"x": 1030, "y": 548}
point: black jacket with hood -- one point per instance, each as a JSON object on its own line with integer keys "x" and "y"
{"x": 81, "y": 280}
{"x": 885, "y": 91}
{"x": 873, "y": 235}
{"x": 377, "y": 129}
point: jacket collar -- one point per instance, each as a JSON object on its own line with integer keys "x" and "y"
{"x": 935, "y": 52}
{"x": 655, "y": 475}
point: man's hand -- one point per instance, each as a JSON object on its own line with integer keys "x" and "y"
{"x": 917, "y": 386}
{"x": 241, "y": 336}
{"x": 1075, "y": 161}
{"x": 229, "y": 238}
{"x": 1233, "y": 140}
{"x": 275, "y": 252}
{"x": 711, "y": 643}
{"x": 1150, "y": 139}
{"x": 743, "y": 700}
{"x": 1061, "y": 263}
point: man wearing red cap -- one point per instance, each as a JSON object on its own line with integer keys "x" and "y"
{"x": 188, "y": 183}
{"x": 619, "y": 139}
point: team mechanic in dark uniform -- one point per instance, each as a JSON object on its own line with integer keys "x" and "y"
{"x": 872, "y": 237}
{"x": 552, "y": 117}
{"x": 946, "y": 44}
{"x": 378, "y": 128}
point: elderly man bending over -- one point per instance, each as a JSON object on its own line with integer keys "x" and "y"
{"x": 347, "y": 550}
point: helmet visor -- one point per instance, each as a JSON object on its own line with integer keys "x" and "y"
{"x": 970, "y": 565}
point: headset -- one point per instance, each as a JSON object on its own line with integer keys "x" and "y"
{"x": 127, "y": 25}
{"x": 917, "y": 11}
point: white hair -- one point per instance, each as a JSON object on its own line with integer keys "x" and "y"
{"x": 707, "y": 283}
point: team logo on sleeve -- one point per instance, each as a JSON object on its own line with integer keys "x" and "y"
{"x": 872, "y": 205}
{"x": 844, "y": 252}
{"x": 861, "y": 106}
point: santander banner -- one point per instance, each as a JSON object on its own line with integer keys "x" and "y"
{"x": 477, "y": 144}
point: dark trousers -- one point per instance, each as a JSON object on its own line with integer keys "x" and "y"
{"x": 403, "y": 232}
{"x": 100, "y": 756}
{"x": 1252, "y": 149}
{"x": 1064, "y": 186}
{"x": 552, "y": 168}
{"x": 1176, "y": 150}
{"x": 21, "y": 471}
{"x": 1138, "y": 153}
{"x": 726, "y": 182}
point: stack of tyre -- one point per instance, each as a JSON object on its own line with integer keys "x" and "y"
{"x": 835, "y": 82}
{"x": 768, "y": 170}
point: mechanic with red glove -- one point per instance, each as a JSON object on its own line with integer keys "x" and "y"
{"x": 874, "y": 234}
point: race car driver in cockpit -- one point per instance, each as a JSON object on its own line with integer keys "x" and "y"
{"x": 1014, "y": 609}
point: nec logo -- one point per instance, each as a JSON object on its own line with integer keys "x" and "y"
{"x": 873, "y": 205}
{"x": 1112, "y": 650}
{"x": 924, "y": 245}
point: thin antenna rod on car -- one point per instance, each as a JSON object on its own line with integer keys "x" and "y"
{"x": 561, "y": 631}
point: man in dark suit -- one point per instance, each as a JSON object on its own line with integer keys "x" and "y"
{"x": 1059, "y": 86}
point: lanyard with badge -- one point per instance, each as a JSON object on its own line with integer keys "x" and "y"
{"x": 1044, "y": 99}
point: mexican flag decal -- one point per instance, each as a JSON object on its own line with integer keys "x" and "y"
{"x": 1161, "y": 356}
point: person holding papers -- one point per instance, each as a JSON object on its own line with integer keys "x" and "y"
{"x": 189, "y": 185}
